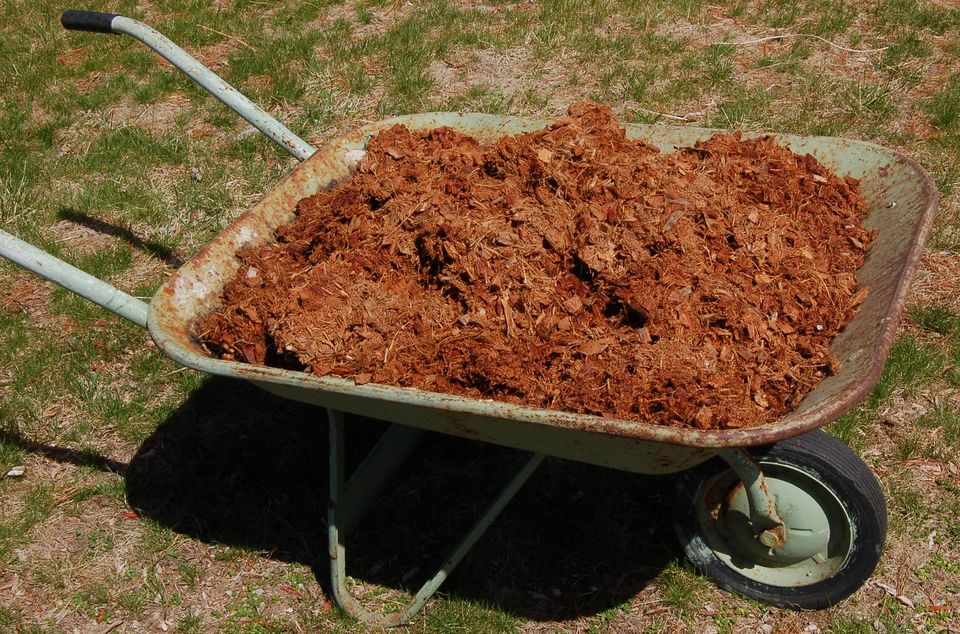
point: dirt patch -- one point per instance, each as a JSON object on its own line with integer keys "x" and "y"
{"x": 80, "y": 238}
{"x": 938, "y": 280}
{"x": 26, "y": 293}
{"x": 568, "y": 268}
{"x": 145, "y": 269}
{"x": 217, "y": 56}
{"x": 385, "y": 19}
{"x": 159, "y": 117}
{"x": 513, "y": 73}
{"x": 156, "y": 118}
{"x": 509, "y": 70}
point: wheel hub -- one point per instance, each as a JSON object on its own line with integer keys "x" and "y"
{"x": 815, "y": 536}
{"x": 805, "y": 532}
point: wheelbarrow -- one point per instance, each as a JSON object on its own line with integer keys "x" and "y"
{"x": 782, "y": 512}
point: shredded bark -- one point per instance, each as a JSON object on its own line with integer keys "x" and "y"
{"x": 568, "y": 268}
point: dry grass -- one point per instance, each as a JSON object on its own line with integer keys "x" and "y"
{"x": 155, "y": 499}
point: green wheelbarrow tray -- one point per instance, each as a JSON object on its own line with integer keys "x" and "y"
{"x": 789, "y": 516}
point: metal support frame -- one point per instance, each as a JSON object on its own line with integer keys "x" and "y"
{"x": 767, "y": 522}
{"x": 350, "y": 498}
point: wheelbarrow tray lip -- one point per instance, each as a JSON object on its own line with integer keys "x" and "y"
{"x": 895, "y": 182}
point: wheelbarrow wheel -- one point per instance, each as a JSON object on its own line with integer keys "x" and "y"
{"x": 833, "y": 511}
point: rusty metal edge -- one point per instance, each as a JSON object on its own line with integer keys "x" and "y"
{"x": 172, "y": 345}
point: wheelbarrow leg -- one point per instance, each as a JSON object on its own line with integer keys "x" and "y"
{"x": 372, "y": 476}
{"x": 365, "y": 483}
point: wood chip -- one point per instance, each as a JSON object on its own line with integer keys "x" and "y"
{"x": 592, "y": 347}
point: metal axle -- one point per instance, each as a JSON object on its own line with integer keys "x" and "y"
{"x": 766, "y": 521}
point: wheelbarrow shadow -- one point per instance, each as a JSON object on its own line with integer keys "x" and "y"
{"x": 235, "y": 465}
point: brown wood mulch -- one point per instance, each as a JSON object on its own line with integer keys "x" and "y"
{"x": 568, "y": 268}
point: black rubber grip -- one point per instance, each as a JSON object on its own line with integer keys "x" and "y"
{"x": 87, "y": 21}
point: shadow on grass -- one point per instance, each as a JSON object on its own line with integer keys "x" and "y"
{"x": 61, "y": 454}
{"x": 235, "y": 465}
{"x": 163, "y": 253}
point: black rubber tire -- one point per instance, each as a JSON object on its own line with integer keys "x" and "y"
{"x": 837, "y": 468}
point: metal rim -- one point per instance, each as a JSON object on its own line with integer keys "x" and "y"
{"x": 818, "y": 529}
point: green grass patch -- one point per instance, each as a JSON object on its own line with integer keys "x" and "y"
{"x": 944, "y": 107}
{"x": 131, "y": 148}
{"x": 909, "y": 447}
{"x": 39, "y": 502}
{"x": 106, "y": 263}
{"x": 946, "y": 169}
{"x": 93, "y": 601}
{"x": 10, "y": 619}
{"x": 788, "y": 62}
{"x": 245, "y": 614}
{"x": 132, "y": 601}
{"x": 112, "y": 489}
{"x": 849, "y": 428}
{"x": 866, "y": 102}
{"x": 745, "y": 108}
{"x": 805, "y": 16}
{"x": 946, "y": 419}
{"x": 190, "y": 624}
{"x": 449, "y": 614}
{"x": 717, "y": 64}
{"x": 680, "y": 588}
{"x": 157, "y": 86}
{"x": 189, "y": 573}
{"x": 228, "y": 553}
{"x": 480, "y": 99}
{"x": 907, "y": 46}
{"x": 917, "y": 14}
{"x": 10, "y": 454}
{"x": 911, "y": 363}
{"x": 938, "y": 319}
{"x": 944, "y": 322}
{"x": 908, "y": 502}
{"x": 158, "y": 542}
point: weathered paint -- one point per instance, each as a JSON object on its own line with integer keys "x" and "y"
{"x": 495, "y": 426}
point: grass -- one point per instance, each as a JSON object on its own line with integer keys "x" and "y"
{"x": 912, "y": 364}
{"x": 681, "y": 589}
{"x": 945, "y": 420}
{"x": 147, "y": 485}
{"x": 938, "y": 319}
{"x": 849, "y": 427}
{"x": 37, "y": 505}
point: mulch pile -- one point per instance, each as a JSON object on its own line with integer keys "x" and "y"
{"x": 569, "y": 268}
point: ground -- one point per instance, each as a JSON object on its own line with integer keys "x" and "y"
{"x": 154, "y": 498}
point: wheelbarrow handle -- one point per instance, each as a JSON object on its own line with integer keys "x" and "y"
{"x": 73, "y": 279}
{"x": 207, "y": 79}
{"x": 93, "y": 21}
